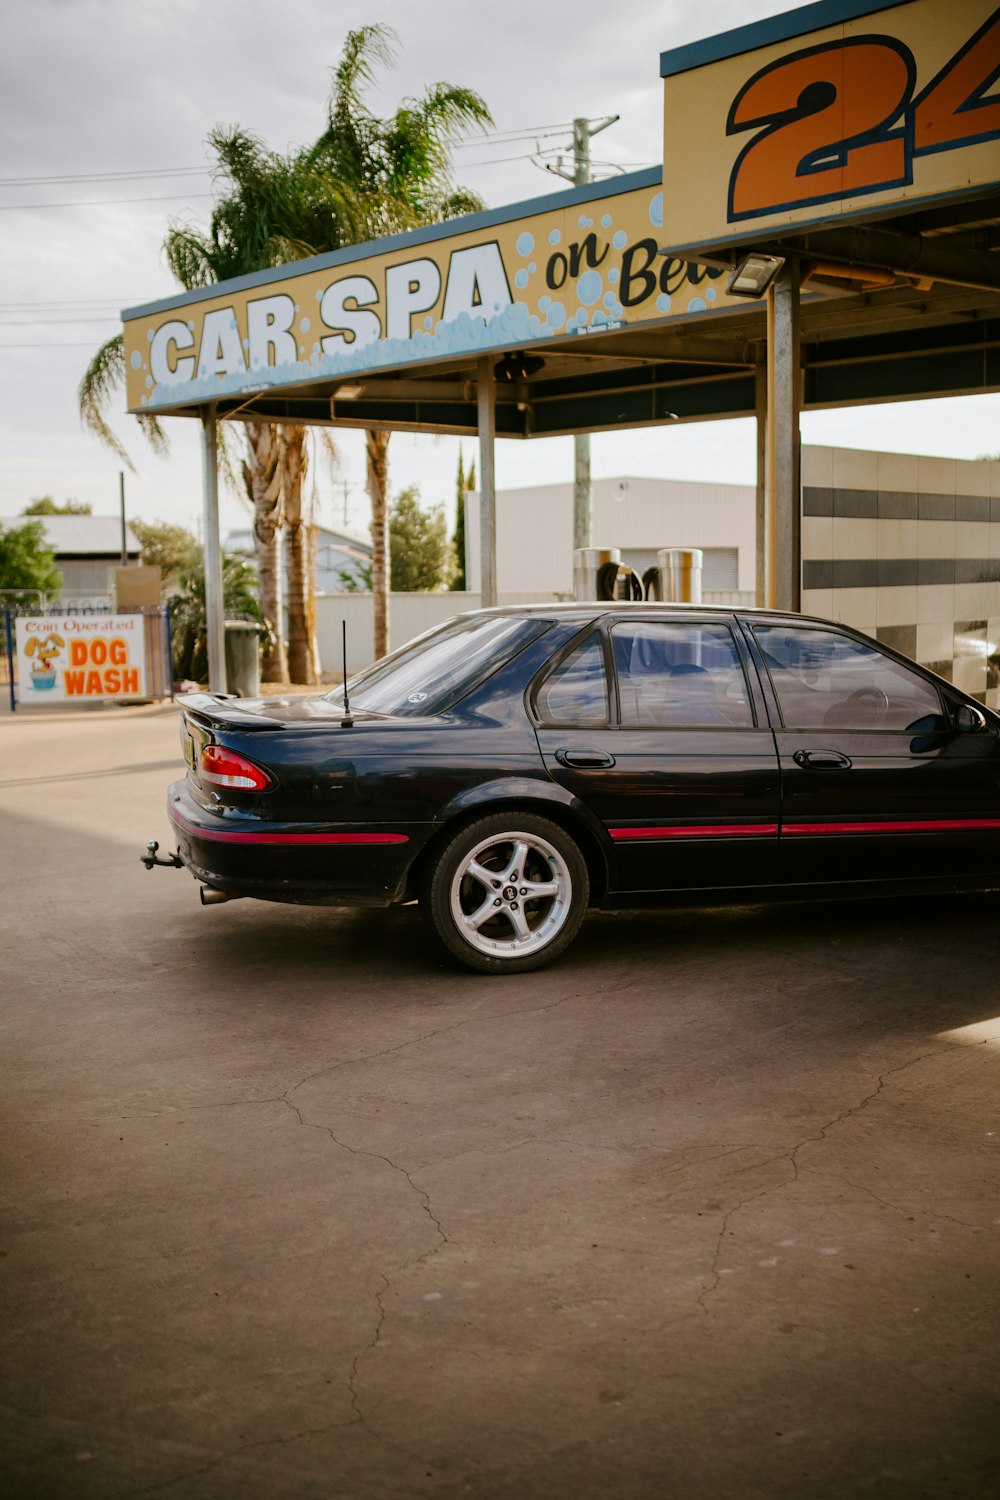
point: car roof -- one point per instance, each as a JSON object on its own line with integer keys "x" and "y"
{"x": 584, "y": 610}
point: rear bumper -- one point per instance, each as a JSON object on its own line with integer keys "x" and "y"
{"x": 323, "y": 864}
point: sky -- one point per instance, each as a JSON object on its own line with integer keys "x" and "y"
{"x": 104, "y": 110}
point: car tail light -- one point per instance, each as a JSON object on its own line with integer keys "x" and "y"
{"x": 221, "y": 767}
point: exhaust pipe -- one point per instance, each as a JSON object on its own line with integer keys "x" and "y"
{"x": 210, "y": 897}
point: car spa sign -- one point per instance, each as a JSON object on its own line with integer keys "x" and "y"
{"x": 64, "y": 658}
{"x": 513, "y": 279}
{"x": 842, "y": 110}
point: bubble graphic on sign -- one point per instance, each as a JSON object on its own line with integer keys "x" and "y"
{"x": 557, "y": 315}
{"x": 614, "y": 273}
{"x": 305, "y": 325}
{"x": 710, "y": 294}
{"x": 544, "y": 303}
{"x": 663, "y": 302}
{"x": 584, "y": 222}
{"x": 589, "y": 288}
{"x": 606, "y": 221}
{"x": 555, "y": 235}
{"x": 656, "y": 211}
{"x": 521, "y": 278}
{"x": 136, "y": 360}
{"x": 525, "y": 243}
{"x": 697, "y": 304}
{"x": 620, "y": 240}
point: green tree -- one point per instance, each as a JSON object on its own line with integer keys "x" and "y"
{"x": 419, "y": 549}
{"x": 26, "y": 563}
{"x": 172, "y": 549}
{"x": 189, "y": 629}
{"x": 466, "y": 481}
{"x": 46, "y": 506}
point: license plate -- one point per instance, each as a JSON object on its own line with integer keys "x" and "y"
{"x": 188, "y": 747}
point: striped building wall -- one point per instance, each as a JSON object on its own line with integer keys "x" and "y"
{"x": 907, "y": 549}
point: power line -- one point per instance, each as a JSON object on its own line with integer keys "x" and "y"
{"x": 501, "y": 137}
{"x": 101, "y": 202}
{"x": 51, "y": 323}
{"x": 104, "y": 176}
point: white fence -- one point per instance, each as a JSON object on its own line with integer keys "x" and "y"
{"x": 410, "y": 614}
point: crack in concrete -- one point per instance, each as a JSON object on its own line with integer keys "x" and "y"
{"x": 918, "y": 1213}
{"x": 792, "y": 1157}
{"x": 221, "y": 1458}
{"x": 425, "y": 1203}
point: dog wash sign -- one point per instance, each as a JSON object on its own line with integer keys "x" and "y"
{"x": 69, "y": 657}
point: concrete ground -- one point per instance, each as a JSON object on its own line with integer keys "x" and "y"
{"x": 291, "y": 1208}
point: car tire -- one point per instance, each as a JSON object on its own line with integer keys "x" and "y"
{"x": 507, "y": 893}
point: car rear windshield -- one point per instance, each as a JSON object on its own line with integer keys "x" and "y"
{"x": 436, "y": 670}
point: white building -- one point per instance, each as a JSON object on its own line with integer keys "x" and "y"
{"x": 639, "y": 516}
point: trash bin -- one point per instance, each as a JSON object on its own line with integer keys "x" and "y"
{"x": 680, "y": 574}
{"x": 243, "y": 658}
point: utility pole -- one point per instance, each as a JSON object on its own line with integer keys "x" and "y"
{"x": 121, "y": 508}
{"x": 583, "y": 133}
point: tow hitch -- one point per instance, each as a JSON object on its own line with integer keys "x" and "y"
{"x": 149, "y": 859}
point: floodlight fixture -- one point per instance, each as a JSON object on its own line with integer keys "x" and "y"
{"x": 753, "y": 274}
{"x": 347, "y": 392}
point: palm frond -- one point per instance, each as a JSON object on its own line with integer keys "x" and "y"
{"x": 103, "y": 378}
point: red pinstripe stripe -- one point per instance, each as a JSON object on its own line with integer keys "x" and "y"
{"x": 729, "y": 831}
{"x": 922, "y": 825}
{"x": 224, "y": 836}
{"x": 766, "y": 830}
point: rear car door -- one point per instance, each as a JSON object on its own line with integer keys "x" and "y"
{"x": 879, "y": 782}
{"x": 658, "y": 727}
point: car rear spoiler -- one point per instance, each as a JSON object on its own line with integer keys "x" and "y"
{"x": 219, "y": 711}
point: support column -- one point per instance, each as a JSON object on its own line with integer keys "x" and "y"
{"x": 581, "y": 490}
{"x": 784, "y": 442}
{"x": 214, "y": 614}
{"x": 761, "y": 543}
{"x": 486, "y": 408}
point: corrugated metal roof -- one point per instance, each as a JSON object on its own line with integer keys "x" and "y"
{"x": 87, "y": 536}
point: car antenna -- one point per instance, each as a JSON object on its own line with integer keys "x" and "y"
{"x": 346, "y": 722}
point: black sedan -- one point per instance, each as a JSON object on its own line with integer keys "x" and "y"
{"x": 515, "y": 766}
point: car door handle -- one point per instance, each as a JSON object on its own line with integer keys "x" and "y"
{"x": 821, "y": 760}
{"x": 585, "y": 760}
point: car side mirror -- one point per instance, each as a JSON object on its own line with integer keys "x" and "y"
{"x": 969, "y": 720}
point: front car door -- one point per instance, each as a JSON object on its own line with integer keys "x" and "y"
{"x": 659, "y": 728}
{"x": 879, "y": 782}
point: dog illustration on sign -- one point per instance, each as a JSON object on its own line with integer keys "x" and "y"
{"x": 45, "y": 652}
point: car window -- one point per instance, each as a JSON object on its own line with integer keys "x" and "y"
{"x": 680, "y": 675}
{"x": 825, "y": 680}
{"x": 433, "y": 672}
{"x": 576, "y": 690}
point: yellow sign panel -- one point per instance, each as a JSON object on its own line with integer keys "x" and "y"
{"x": 895, "y": 106}
{"x": 511, "y": 281}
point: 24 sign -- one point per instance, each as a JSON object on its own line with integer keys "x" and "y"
{"x": 841, "y": 119}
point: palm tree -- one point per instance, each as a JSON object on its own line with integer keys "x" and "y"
{"x": 396, "y": 174}
{"x": 364, "y": 177}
